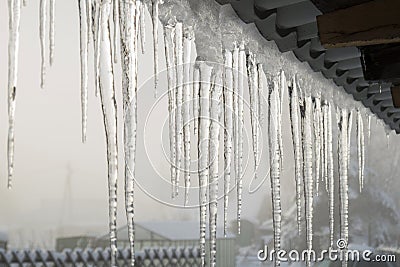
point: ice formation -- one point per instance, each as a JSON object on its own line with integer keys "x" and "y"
{"x": 201, "y": 92}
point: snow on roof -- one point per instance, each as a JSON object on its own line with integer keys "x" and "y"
{"x": 174, "y": 230}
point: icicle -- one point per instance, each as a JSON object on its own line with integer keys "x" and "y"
{"x": 360, "y": 149}
{"x": 343, "y": 125}
{"x": 109, "y": 107}
{"x": 51, "y": 32}
{"x": 116, "y": 28}
{"x": 228, "y": 133}
{"x": 275, "y": 163}
{"x": 260, "y": 73}
{"x": 154, "y": 16}
{"x": 128, "y": 43}
{"x": 179, "y": 99}
{"x": 97, "y": 42}
{"x": 203, "y": 141}
{"x": 241, "y": 71}
{"x": 254, "y": 106}
{"x": 236, "y": 74}
{"x": 214, "y": 161}
{"x": 387, "y": 139}
{"x": 296, "y": 136}
{"x": 187, "y": 45}
{"x": 350, "y": 127}
{"x": 169, "y": 32}
{"x": 317, "y": 136}
{"x": 282, "y": 87}
{"x": 84, "y": 64}
{"x": 89, "y": 17}
{"x": 42, "y": 33}
{"x": 142, "y": 26}
{"x": 196, "y": 91}
{"x": 369, "y": 128}
{"x": 329, "y": 166}
{"x": 14, "y": 7}
{"x": 308, "y": 171}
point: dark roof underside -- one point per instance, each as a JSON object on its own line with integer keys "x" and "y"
{"x": 292, "y": 25}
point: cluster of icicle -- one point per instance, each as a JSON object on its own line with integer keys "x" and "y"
{"x": 14, "y": 8}
{"x": 214, "y": 96}
{"x": 96, "y": 18}
{"x": 312, "y": 132}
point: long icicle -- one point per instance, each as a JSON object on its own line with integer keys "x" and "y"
{"x": 296, "y": 136}
{"x": 239, "y": 184}
{"x": 187, "y": 45}
{"x": 254, "y": 106}
{"x": 169, "y": 32}
{"x": 97, "y": 42}
{"x": 52, "y": 31}
{"x": 308, "y": 172}
{"x": 154, "y": 17}
{"x": 14, "y": 8}
{"x": 236, "y": 74}
{"x": 260, "y": 91}
{"x": 317, "y": 141}
{"x": 142, "y": 25}
{"x": 196, "y": 91}
{"x": 84, "y": 64}
{"x": 343, "y": 125}
{"x": 360, "y": 149}
{"x": 228, "y": 133}
{"x": 42, "y": 34}
{"x": 179, "y": 100}
{"x": 109, "y": 107}
{"x": 128, "y": 43}
{"x": 330, "y": 171}
{"x": 203, "y": 140}
{"x": 116, "y": 28}
{"x": 275, "y": 163}
{"x": 215, "y": 108}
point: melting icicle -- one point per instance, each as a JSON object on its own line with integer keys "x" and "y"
{"x": 296, "y": 136}
{"x": 116, "y": 28}
{"x": 240, "y": 78}
{"x": 14, "y": 7}
{"x": 360, "y": 149}
{"x": 317, "y": 136}
{"x": 214, "y": 161}
{"x": 128, "y": 42}
{"x": 343, "y": 125}
{"x": 329, "y": 166}
{"x": 142, "y": 25}
{"x": 254, "y": 106}
{"x": 228, "y": 133}
{"x": 308, "y": 171}
{"x": 236, "y": 74}
{"x": 109, "y": 107}
{"x": 187, "y": 45}
{"x": 260, "y": 89}
{"x": 97, "y": 42}
{"x": 369, "y": 128}
{"x": 84, "y": 64}
{"x": 196, "y": 91}
{"x": 349, "y": 127}
{"x": 282, "y": 87}
{"x": 52, "y": 30}
{"x": 42, "y": 33}
{"x": 203, "y": 141}
{"x": 154, "y": 17}
{"x": 169, "y": 32}
{"x": 275, "y": 163}
{"x": 179, "y": 100}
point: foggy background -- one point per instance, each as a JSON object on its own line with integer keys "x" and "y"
{"x": 60, "y": 184}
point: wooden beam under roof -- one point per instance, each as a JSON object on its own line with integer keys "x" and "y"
{"x": 370, "y": 23}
